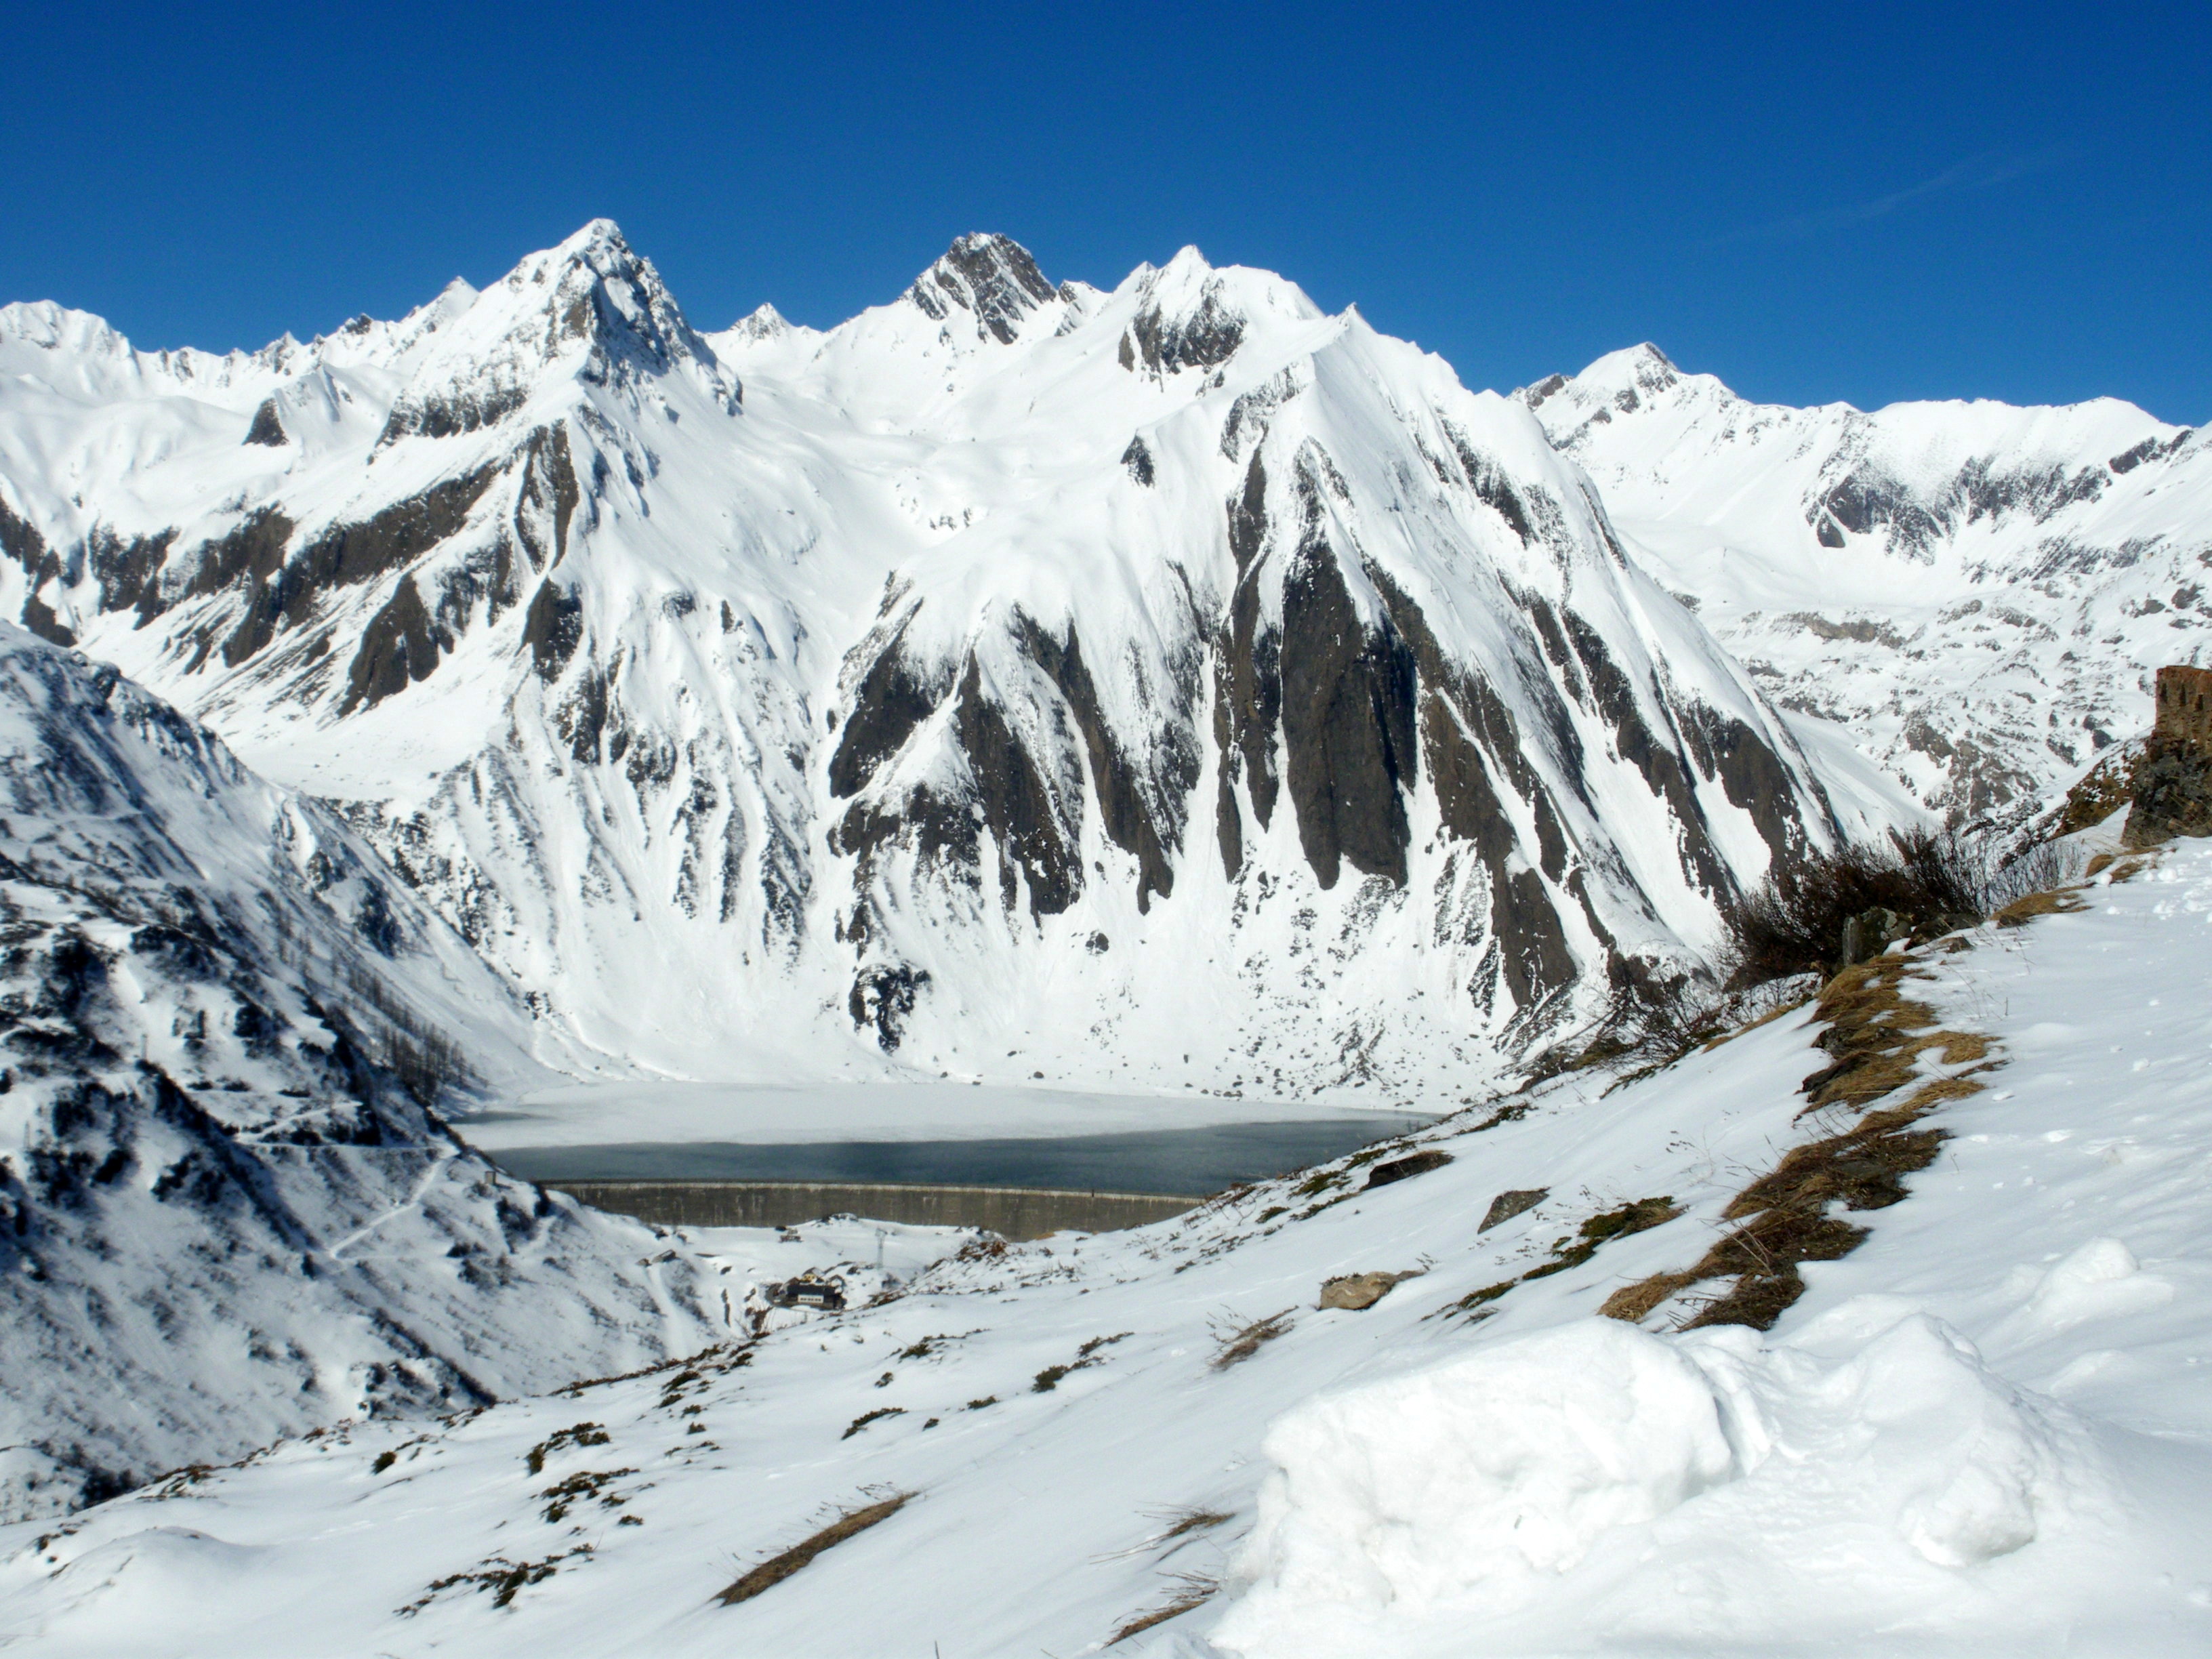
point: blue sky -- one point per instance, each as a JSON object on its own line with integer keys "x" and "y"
{"x": 1856, "y": 202}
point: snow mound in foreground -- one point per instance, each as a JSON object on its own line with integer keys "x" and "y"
{"x": 1595, "y": 1482}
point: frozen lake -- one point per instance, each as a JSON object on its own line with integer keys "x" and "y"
{"x": 934, "y": 1133}
{"x": 1193, "y": 1162}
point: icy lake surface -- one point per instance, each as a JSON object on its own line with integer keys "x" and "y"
{"x": 1188, "y": 1161}
{"x": 937, "y": 1132}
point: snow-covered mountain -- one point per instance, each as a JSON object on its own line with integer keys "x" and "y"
{"x": 1177, "y": 686}
{"x": 1980, "y": 593}
{"x": 227, "y": 1212}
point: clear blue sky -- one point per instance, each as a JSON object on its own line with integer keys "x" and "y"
{"x": 1815, "y": 202}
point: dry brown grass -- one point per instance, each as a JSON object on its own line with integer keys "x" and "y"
{"x": 1634, "y": 1303}
{"x": 2057, "y": 902}
{"x": 1924, "y": 1099}
{"x": 1877, "y": 1035}
{"x": 1241, "y": 1342}
{"x": 1957, "y": 1048}
{"x": 777, "y": 1568}
{"x": 1197, "y": 1590}
{"x": 1181, "y": 1523}
{"x": 1861, "y": 1169}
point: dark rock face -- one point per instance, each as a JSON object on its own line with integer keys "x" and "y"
{"x": 345, "y": 555}
{"x": 450, "y": 416}
{"x": 1139, "y": 460}
{"x": 254, "y": 551}
{"x": 553, "y": 628}
{"x": 1016, "y": 805}
{"x": 1007, "y": 795}
{"x": 268, "y": 426}
{"x": 1248, "y": 676}
{"x": 883, "y": 999}
{"x": 1207, "y": 338}
{"x": 399, "y": 646}
{"x": 1347, "y": 706}
{"x": 19, "y": 539}
{"x": 548, "y": 499}
{"x": 1865, "y": 502}
{"x": 2173, "y": 797}
{"x": 1467, "y": 734}
{"x": 892, "y": 700}
{"x": 1751, "y": 775}
{"x": 1868, "y": 499}
{"x": 39, "y": 617}
{"x": 1663, "y": 765}
{"x": 1353, "y": 712}
{"x": 1518, "y": 1201}
{"x": 1137, "y": 822}
{"x": 128, "y": 572}
{"x": 991, "y": 277}
{"x": 2150, "y": 449}
{"x": 1404, "y": 1169}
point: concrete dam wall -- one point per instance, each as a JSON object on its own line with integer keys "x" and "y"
{"x": 1014, "y": 1212}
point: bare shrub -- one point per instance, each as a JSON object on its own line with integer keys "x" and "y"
{"x": 1793, "y": 922}
{"x": 1239, "y": 1341}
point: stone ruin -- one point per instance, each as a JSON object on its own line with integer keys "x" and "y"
{"x": 2183, "y": 723}
{"x": 2174, "y": 784}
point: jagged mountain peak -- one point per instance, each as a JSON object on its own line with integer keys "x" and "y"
{"x": 592, "y": 308}
{"x": 1108, "y": 622}
{"x": 765, "y": 322}
{"x": 1643, "y": 368}
{"x": 1189, "y": 314}
{"x": 991, "y": 277}
{"x": 51, "y": 327}
{"x": 93, "y": 358}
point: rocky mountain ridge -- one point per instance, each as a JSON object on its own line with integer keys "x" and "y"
{"x": 1979, "y": 594}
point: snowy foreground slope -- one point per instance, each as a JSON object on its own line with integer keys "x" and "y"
{"x": 225, "y": 1212}
{"x": 1172, "y": 687}
{"x": 1980, "y": 593}
{"x": 1988, "y": 1429}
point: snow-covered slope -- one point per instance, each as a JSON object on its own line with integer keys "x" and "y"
{"x": 1172, "y": 687}
{"x": 1985, "y": 1429}
{"x": 226, "y": 1210}
{"x": 1980, "y": 593}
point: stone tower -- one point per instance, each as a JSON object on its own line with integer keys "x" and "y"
{"x": 2184, "y": 722}
{"x": 2173, "y": 785}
